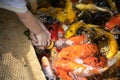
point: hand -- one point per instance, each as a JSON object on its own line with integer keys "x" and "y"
{"x": 41, "y": 40}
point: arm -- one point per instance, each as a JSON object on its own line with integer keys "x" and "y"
{"x": 41, "y": 36}
{"x": 30, "y": 22}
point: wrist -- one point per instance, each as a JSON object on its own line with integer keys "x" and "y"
{"x": 39, "y": 32}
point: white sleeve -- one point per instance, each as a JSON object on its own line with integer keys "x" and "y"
{"x": 14, "y": 5}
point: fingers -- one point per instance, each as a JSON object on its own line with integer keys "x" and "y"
{"x": 44, "y": 43}
{"x": 37, "y": 45}
{"x": 33, "y": 37}
{"x": 41, "y": 48}
{"x": 48, "y": 42}
{"x": 40, "y": 40}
